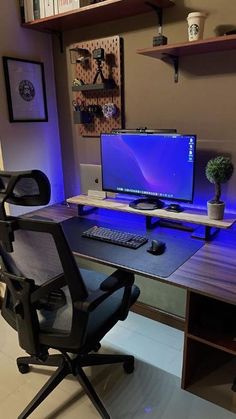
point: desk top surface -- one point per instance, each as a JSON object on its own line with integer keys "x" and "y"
{"x": 139, "y": 260}
{"x": 210, "y": 271}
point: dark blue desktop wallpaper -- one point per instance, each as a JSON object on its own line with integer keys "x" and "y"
{"x": 149, "y": 164}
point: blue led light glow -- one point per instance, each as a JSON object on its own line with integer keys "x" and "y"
{"x": 148, "y": 410}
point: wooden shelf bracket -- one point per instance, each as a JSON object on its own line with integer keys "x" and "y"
{"x": 175, "y": 62}
{"x": 59, "y": 35}
{"x": 159, "y": 12}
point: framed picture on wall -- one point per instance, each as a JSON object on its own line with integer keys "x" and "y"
{"x": 26, "y": 93}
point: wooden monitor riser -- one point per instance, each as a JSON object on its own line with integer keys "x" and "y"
{"x": 188, "y": 216}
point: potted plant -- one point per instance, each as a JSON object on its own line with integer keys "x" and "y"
{"x": 218, "y": 170}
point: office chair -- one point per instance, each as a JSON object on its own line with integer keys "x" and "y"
{"x": 49, "y": 301}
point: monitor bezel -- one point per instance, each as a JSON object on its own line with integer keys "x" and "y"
{"x": 189, "y": 201}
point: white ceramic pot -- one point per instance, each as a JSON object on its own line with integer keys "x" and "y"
{"x": 215, "y": 211}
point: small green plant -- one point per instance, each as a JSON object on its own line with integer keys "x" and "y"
{"x": 219, "y": 170}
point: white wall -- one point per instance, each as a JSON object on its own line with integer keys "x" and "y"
{"x": 32, "y": 145}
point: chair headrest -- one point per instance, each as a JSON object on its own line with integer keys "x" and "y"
{"x": 26, "y": 188}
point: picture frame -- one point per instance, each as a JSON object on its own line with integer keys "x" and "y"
{"x": 26, "y": 91}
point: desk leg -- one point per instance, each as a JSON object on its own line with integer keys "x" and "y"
{"x": 166, "y": 223}
{"x": 82, "y": 211}
{"x": 205, "y": 233}
{"x": 149, "y": 224}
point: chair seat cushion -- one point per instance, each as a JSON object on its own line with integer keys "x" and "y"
{"x": 61, "y": 319}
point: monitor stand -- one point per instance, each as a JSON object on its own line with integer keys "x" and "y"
{"x": 146, "y": 204}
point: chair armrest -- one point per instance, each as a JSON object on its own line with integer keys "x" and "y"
{"x": 119, "y": 279}
{"x": 49, "y": 296}
{"x": 51, "y": 285}
{"x": 25, "y": 314}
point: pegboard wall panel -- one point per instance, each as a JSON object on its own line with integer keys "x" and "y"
{"x": 86, "y": 71}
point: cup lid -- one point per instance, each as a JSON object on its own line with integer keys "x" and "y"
{"x": 196, "y": 14}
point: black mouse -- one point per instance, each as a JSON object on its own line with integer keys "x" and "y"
{"x": 157, "y": 247}
{"x": 174, "y": 208}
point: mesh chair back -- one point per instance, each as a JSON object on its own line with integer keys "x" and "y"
{"x": 35, "y": 252}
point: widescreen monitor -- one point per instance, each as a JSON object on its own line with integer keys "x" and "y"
{"x": 149, "y": 165}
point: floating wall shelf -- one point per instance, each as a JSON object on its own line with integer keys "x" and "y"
{"x": 96, "y": 13}
{"x": 174, "y": 51}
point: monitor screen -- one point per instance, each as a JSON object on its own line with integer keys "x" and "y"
{"x": 151, "y": 165}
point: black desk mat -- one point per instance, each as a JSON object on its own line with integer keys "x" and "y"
{"x": 178, "y": 249}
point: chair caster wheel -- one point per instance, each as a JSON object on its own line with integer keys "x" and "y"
{"x": 129, "y": 366}
{"x": 23, "y": 368}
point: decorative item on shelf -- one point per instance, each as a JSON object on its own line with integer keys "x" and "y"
{"x": 225, "y": 29}
{"x": 80, "y": 56}
{"x": 159, "y": 40}
{"x": 218, "y": 170}
{"x": 83, "y": 117}
{"x": 196, "y": 22}
{"x": 77, "y": 82}
{"x": 77, "y": 104}
{"x": 110, "y": 110}
{"x": 230, "y": 32}
{"x": 83, "y": 57}
{"x": 82, "y": 114}
{"x": 95, "y": 110}
{"x": 99, "y": 57}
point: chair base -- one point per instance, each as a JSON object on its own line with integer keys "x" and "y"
{"x": 65, "y": 365}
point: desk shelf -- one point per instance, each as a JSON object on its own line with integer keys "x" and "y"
{"x": 105, "y": 11}
{"x": 188, "y": 216}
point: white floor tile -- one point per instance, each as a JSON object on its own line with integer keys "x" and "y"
{"x": 152, "y": 391}
{"x": 10, "y": 379}
{"x": 158, "y": 354}
{"x": 154, "y": 330}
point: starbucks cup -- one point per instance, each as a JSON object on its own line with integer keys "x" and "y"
{"x": 196, "y": 22}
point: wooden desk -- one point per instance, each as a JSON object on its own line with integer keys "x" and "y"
{"x": 209, "y": 277}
